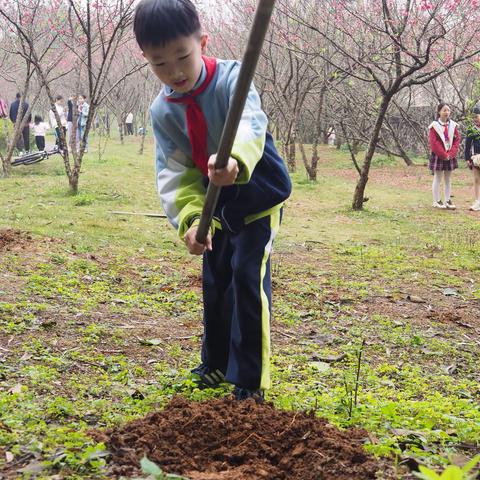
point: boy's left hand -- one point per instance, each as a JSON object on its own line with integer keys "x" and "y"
{"x": 222, "y": 177}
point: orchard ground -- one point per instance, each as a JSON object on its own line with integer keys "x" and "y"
{"x": 100, "y": 314}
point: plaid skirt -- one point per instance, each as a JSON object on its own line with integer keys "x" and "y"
{"x": 435, "y": 164}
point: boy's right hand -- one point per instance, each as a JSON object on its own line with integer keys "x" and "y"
{"x": 193, "y": 246}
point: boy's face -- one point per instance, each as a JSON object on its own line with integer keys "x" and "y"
{"x": 178, "y": 63}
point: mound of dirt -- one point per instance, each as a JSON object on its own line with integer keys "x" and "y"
{"x": 10, "y": 237}
{"x": 224, "y": 439}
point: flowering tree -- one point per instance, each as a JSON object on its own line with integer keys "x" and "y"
{"x": 394, "y": 45}
{"x": 18, "y": 33}
{"x": 85, "y": 37}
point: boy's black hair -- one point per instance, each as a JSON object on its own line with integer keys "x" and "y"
{"x": 18, "y": 95}
{"x": 58, "y": 97}
{"x": 37, "y": 119}
{"x": 158, "y": 22}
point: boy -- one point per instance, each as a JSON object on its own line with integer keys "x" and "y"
{"x": 188, "y": 117}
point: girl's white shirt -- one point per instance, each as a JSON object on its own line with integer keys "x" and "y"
{"x": 40, "y": 129}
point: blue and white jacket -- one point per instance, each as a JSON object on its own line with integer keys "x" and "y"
{"x": 263, "y": 183}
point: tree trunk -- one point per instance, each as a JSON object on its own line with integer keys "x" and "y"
{"x": 120, "y": 127}
{"x": 292, "y": 151}
{"x": 359, "y": 195}
{"x": 310, "y": 168}
{"x": 73, "y": 180}
{"x": 285, "y": 149}
{"x": 318, "y": 133}
{"x": 338, "y": 142}
{"x": 144, "y": 126}
{"x": 314, "y": 166}
{"x": 6, "y": 165}
{"x": 325, "y": 137}
{"x": 355, "y": 146}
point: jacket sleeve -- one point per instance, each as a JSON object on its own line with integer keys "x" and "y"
{"x": 436, "y": 145}
{"x": 13, "y": 112}
{"x": 179, "y": 182}
{"x": 468, "y": 149}
{"x": 249, "y": 141}
{"x": 456, "y": 143}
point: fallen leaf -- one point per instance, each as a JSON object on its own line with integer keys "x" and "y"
{"x": 16, "y": 389}
{"x": 333, "y": 358}
{"x": 119, "y": 300}
{"x": 451, "y": 369}
{"x": 449, "y": 292}
{"x": 33, "y": 467}
{"x": 459, "y": 459}
{"x": 298, "y": 450}
{"x": 152, "y": 342}
{"x": 9, "y": 456}
{"x": 415, "y": 299}
{"x": 320, "y": 366}
{"x": 466, "y": 325}
{"x": 48, "y": 324}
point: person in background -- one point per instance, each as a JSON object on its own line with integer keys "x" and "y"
{"x": 129, "y": 123}
{"x": 83, "y": 109}
{"x": 331, "y": 135}
{"x": 60, "y": 109}
{"x": 69, "y": 117}
{"x": 472, "y": 155}
{"x": 24, "y": 140}
{"x": 3, "y": 108}
{"x": 444, "y": 140}
{"x": 39, "y": 129}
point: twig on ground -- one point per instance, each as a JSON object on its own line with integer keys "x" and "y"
{"x": 143, "y": 214}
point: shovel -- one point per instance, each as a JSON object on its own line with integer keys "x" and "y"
{"x": 247, "y": 71}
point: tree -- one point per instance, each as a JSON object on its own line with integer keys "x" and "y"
{"x": 394, "y": 45}
{"x": 86, "y": 37}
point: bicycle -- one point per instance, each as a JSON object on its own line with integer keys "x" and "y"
{"x": 35, "y": 157}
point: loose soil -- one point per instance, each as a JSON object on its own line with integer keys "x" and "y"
{"x": 9, "y": 237}
{"x": 225, "y": 439}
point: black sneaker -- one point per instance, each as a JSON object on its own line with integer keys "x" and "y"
{"x": 244, "y": 394}
{"x": 208, "y": 378}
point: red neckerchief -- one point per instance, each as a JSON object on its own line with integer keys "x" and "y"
{"x": 445, "y": 131}
{"x": 196, "y": 123}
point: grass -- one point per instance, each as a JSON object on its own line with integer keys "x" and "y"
{"x": 101, "y": 323}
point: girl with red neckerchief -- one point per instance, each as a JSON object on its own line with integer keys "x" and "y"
{"x": 444, "y": 143}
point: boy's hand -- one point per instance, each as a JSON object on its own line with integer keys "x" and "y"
{"x": 222, "y": 177}
{"x": 193, "y": 246}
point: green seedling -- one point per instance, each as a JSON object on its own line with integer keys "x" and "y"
{"x": 452, "y": 472}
